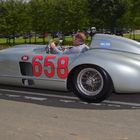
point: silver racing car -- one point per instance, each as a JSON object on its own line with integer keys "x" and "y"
{"x": 111, "y": 64}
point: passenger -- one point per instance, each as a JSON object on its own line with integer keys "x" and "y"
{"x": 78, "y": 45}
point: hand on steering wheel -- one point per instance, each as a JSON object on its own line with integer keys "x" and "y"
{"x": 52, "y": 45}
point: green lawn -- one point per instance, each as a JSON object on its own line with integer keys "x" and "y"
{"x": 3, "y": 44}
{"x": 137, "y": 36}
{"x": 3, "y": 41}
{"x": 22, "y": 41}
{"x": 68, "y": 40}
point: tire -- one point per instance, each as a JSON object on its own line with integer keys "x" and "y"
{"x": 92, "y": 84}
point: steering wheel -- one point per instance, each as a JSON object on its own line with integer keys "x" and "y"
{"x": 49, "y": 50}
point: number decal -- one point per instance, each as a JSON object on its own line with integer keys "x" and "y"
{"x": 49, "y": 64}
{"x": 62, "y": 69}
{"x": 62, "y": 66}
{"x": 36, "y": 66}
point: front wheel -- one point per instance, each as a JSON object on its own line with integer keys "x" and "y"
{"x": 92, "y": 84}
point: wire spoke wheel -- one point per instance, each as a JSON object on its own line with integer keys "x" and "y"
{"x": 90, "y": 81}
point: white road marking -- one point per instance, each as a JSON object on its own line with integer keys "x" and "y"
{"x": 113, "y": 105}
{"x": 97, "y": 104}
{"x": 67, "y": 101}
{"x": 83, "y": 102}
{"x": 35, "y": 98}
{"x": 68, "y": 97}
{"x": 135, "y": 107}
{"x": 14, "y": 96}
{"x": 48, "y": 95}
{"x": 121, "y": 103}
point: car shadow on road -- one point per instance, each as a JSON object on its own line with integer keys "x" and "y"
{"x": 67, "y": 99}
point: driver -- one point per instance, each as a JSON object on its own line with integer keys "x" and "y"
{"x": 78, "y": 45}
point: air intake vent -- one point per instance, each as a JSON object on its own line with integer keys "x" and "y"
{"x": 26, "y": 68}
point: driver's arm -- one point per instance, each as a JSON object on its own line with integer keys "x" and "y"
{"x": 55, "y": 49}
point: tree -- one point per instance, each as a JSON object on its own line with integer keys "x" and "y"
{"x": 132, "y": 16}
{"x": 107, "y": 13}
{"x": 3, "y": 12}
{"x": 135, "y": 13}
{"x": 67, "y": 15}
{"x": 14, "y": 17}
{"x": 38, "y": 13}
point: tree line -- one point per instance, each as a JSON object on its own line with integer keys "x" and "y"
{"x": 22, "y": 16}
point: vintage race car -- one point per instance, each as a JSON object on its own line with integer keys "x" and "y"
{"x": 111, "y": 64}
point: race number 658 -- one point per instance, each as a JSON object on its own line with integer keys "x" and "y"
{"x": 61, "y": 67}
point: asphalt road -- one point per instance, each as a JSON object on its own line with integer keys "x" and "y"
{"x": 35, "y": 114}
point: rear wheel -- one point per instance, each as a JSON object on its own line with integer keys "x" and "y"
{"x": 92, "y": 84}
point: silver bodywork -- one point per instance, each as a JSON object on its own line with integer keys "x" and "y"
{"x": 118, "y": 56}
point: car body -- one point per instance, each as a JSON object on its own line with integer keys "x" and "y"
{"x": 111, "y": 63}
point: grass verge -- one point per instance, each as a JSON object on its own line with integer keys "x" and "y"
{"x": 67, "y": 41}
